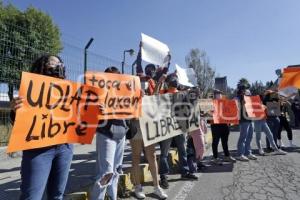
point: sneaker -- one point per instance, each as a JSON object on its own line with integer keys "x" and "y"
{"x": 269, "y": 150}
{"x": 229, "y": 159}
{"x": 261, "y": 152}
{"x": 201, "y": 166}
{"x": 279, "y": 152}
{"x": 242, "y": 158}
{"x": 252, "y": 157}
{"x": 189, "y": 176}
{"x": 160, "y": 193}
{"x": 138, "y": 191}
{"x": 217, "y": 161}
{"x": 164, "y": 182}
{"x": 292, "y": 146}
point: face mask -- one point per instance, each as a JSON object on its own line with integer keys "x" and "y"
{"x": 173, "y": 83}
{"x": 150, "y": 73}
{"x": 57, "y": 71}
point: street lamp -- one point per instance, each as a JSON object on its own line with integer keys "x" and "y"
{"x": 85, "y": 56}
{"x": 131, "y": 53}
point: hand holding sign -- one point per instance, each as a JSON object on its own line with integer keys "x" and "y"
{"x": 225, "y": 112}
{"x": 56, "y": 111}
{"x": 120, "y": 94}
{"x": 254, "y": 107}
{"x": 17, "y": 103}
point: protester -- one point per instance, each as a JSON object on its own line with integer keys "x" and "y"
{"x": 220, "y": 131}
{"x": 272, "y": 116}
{"x": 296, "y": 111}
{"x": 47, "y": 166}
{"x": 179, "y": 140}
{"x": 137, "y": 144}
{"x": 246, "y": 128}
{"x": 196, "y": 147}
{"x": 110, "y": 142}
{"x": 284, "y": 123}
{"x": 261, "y": 125}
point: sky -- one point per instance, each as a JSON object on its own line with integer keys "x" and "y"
{"x": 242, "y": 38}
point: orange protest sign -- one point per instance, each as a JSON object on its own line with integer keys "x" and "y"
{"x": 291, "y": 69}
{"x": 120, "y": 94}
{"x": 225, "y": 111}
{"x": 254, "y": 107}
{"x": 54, "y": 111}
{"x": 290, "y": 77}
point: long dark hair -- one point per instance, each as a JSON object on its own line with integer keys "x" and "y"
{"x": 39, "y": 65}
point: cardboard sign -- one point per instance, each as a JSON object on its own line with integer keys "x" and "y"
{"x": 206, "y": 105}
{"x": 120, "y": 94}
{"x": 254, "y": 107}
{"x": 186, "y": 77}
{"x": 290, "y": 77}
{"x": 225, "y": 111}
{"x": 273, "y": 109}
{"x": 54, "y": 111}
{"x": 164, "y": 116}
{"x": 154, "y": 51}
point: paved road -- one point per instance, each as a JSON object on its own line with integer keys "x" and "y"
{"x": 270, "y": 177}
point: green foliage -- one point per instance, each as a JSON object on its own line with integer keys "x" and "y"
{"x": 24, "y": 37}
{"x": 199, "y": 61}
{"x": 257, "y": 88}
{"x": 243, "y": 82}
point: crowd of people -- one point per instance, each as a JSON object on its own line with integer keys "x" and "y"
{"x": 49, "y": 166}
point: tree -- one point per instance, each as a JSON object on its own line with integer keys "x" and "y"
{"x": 243, "y": 82}
{"x": 24, "y": 36}
{"x": 199, "y": 61}
{"x": 257, "y": 88}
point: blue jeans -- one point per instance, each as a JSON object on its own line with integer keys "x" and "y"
{"x": 45, "y": 166}
{"x": 259, "y": 126}
{"x": 163, "y": 160}
{"x": 109, "y": 162}
{"x": 244, "y": 142}
{"x": 274, "y": 124}
{"x": 182, "y": 155}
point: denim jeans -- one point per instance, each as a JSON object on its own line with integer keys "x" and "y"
{"x": 182, "y": 155}
{"x": 163, "y": 160}
{"x": 45, "y": 166}
{"x": 244, "y": 142}
{"x": 259, "y": 126}
{"x": 109, "y": 161}
{"x": 274, "y": 124}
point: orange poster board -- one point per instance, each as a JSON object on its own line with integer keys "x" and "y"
{"x": 225, "y": 111}
{"x": 120, "y": 94}
{"x": 254, "y": 107}
{"x": 290, "y": 77}
{"x": 54, "y": 111}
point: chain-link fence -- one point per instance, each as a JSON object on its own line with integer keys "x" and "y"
{"x": 18, "y": 53}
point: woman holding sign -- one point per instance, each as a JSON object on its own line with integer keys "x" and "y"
{"x": 137, "y": 142}
{"x": 260, "y": 124}
{"x": 49, "y": 165}
{"x": 220, "y": 131}
{"x": 246, "y": 128}
{"x": 110, "y": 143}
